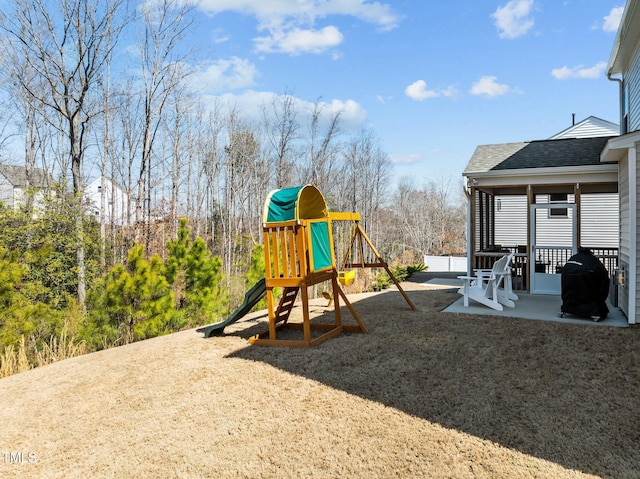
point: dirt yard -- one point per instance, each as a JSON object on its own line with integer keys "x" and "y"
{"x": 424, "y": 394}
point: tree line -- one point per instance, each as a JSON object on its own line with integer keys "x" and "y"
{"x": 104, "y": 90}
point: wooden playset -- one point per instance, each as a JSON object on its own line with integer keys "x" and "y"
{"x": 299, "y": 253}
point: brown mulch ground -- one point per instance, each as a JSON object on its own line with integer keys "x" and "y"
{"x": 424, "y": 394}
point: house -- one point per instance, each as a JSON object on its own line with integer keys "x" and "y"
{"x": 116, "y": 201}
{"x": 555, "y": 184}
{"x": 599, "y": 225}
{"x": 14, "y": 183}
{"x": 589, "y": 128}
{"x": 576, "y": 166}
{"x": 624, "y": 152}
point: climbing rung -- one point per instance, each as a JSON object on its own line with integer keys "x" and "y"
{"x": 286, "y": 304}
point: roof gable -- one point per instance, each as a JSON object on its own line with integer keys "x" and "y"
{"x": 17, "y": 176}
{"x": 589, "y": 127}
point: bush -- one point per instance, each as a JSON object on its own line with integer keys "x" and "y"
{"x": 382, "y": 279}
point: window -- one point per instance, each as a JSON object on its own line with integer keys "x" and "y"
{"x": 558, "y": 212}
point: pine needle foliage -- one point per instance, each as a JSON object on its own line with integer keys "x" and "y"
{"x": 132, "y": 302}
{"x": 196, "y": 279}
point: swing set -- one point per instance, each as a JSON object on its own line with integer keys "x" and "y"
{"x": 299, "y": 253}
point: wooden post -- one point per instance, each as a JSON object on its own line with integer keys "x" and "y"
{"x": 577, "y": 199}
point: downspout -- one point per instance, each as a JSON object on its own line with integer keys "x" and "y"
{"x": 623, "y": 127}
{"x": 633, "y": 236}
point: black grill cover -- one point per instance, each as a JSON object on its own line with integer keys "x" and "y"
{"x": 585, "y": 286}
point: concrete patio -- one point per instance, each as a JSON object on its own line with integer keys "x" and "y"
{"x": 536, "y": 307}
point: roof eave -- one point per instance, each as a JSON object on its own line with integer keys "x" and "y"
{"x": 616, "y": 148}
{"x": 602, "y": 173}
{"x": 625, "y": 42}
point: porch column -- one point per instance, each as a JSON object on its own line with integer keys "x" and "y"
{"x": 577, "y": 200}
{"x": 531, "y": 200}
{"x": 472, "y": 229}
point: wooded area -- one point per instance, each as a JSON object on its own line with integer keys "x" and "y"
{"x": 103, "y": 90}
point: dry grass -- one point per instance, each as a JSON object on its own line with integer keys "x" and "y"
{"x": 14, "y": 361}
{"x": 425, "y": 394}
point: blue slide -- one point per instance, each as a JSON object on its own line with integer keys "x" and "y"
{"x": 251, "y": 298}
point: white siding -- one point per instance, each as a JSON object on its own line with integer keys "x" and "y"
{"x": 599, "y": 222}
{"x": 623, "y": 257}
{"x": 6, "y": 191}
{"x": 115, "y": 201}
{"x": 589, "y": 128}
{"x": 553, "y": 230}
{"x": 511, "y": 220}
{"x": 637, "y": 246}
{"x": 632, "y": 80}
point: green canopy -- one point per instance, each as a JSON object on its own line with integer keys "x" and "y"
{"x": 298, "y": 202}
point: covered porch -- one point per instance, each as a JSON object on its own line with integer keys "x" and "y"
{"x": 541, "y": 201}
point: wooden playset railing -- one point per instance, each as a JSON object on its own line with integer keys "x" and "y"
{"x": 285, "y": 253}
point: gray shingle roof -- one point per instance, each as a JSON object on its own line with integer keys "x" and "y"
{"x": 17, "y": 176}
{"x": 536, "y": 154}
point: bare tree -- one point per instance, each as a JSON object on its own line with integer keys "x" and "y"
{"x": 243, "y": 171}
{"x": 429, "y": 221}
{"x": 281, "y": 127}
{"x": 322, "y": 156}
{"x": 165, "y": 25}
{"x": 65, "y": 46}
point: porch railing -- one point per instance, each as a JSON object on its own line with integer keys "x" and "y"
{"x": 549, "y": 260}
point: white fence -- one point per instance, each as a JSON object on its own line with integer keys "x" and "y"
{"x": 445, "y": 263}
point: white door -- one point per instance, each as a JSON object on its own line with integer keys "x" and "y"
{"x": 553, "y": 241}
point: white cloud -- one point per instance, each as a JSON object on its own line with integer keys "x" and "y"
{"x": 513, "y": 19}
{"x": 488, "y": 86}
{"x": 408, "y": 159}
{"x": 297, "y": 41}
{"x": 307, "y": 11}
{"x": 612, "y": 21}
{"x": 352, "y": 116}
{"x": 418, "y": 91}
{"x": 220, "y": 36}
{"x": 579, "y": 71}
{"x": 290, "y": 24}
{"x": 224, "y": 75}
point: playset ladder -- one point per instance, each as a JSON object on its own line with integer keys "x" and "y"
{"x": 286, "y": 304}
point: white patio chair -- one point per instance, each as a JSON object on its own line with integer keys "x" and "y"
{"x": 490, "y": 287}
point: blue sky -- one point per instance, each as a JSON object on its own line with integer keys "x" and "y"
{"x": 434, "y": 79}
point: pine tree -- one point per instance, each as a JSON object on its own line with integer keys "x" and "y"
{"x": 19, "y": 316}
{"x": 256, "y": 273}
{"x": 133, "y": 301}
{"x": 195, "y": 276}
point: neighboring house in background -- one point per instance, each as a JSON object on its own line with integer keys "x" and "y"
{"x": 590, "y": 127}
{"x": 115, "y": 201}
{"x": 624, "y": 67}
{"x": 14, "y": 184}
